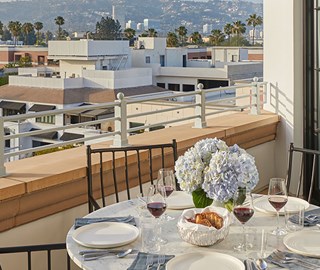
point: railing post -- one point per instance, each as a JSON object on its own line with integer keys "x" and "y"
{"x": 200, "y": 109}
{"x": 2, "y": 144}
{"x": 255, "y": 98}
{"x": 121, "y": 125}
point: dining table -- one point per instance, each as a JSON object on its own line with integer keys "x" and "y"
{"x": 175, "y": 245}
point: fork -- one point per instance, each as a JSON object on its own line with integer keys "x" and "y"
{"x": 149, "y": 261}
{"x": 277, "y": 259}
{"x": 161, "y": 261}
{"x": 283, "y": 256}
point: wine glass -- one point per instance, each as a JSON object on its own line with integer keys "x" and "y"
{"x": 166, "y": 179}
{"x": 243, "y": 211}
{"x": 156, "y": 204}
{"x": 278, "y": 197}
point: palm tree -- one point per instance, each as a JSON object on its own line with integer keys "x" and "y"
{"x": 172, "y": 39}
{"x": 152, "y": 32}
{"x": 196, "y": 38}
{"x": 15, "y": 29}
{"x": 129, "y": 33}
{"x": 182, "y": 34}
{"x": 254, "y": 21}
{"x": 59, "y": 21}
{"x": 228, "y": 30}
{"x": 26, "y": 30}
{"x": 238, "y": 28}
{"x": 1, "y": 28}
{"x": 38, "y": 26}
{"x": 216, "y": 37}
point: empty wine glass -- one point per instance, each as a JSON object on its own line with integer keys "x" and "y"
{"x": 243, "y": 211}
{"x": 166, "y": 179}
{"x": 156, "y": 204}
{"x": 278, "y": 197}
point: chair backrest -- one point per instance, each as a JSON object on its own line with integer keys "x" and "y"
{"x": 32, "y": 249}
{"x": 303, "y": 154}
{"x": 112, "y": 170}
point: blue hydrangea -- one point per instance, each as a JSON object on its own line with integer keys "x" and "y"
{"x": 216, "y": 168}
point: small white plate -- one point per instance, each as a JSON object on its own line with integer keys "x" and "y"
{"x": 262, "y": 205}
{"x": 179, "y": 200}
{"x": 205, "y": 260}
{"x": 304, "y": 242}
{"x": 105, "y": 234}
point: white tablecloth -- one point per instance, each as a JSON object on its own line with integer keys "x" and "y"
{"x": 175, "y": 245}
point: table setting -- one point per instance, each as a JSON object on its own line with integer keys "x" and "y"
{"x": 214, "y": 220}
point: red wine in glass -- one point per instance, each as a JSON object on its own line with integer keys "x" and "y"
{"x": 277, "y": 202}
{"x": 169, "y": 190}
{"x": 278, "y": 197}
{"x": 156, "y": 208}
{"x": 243, "y": 211}
{"x": 243, "y": 214}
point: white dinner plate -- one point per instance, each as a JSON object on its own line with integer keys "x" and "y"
{"x": 205, "y": 260}
{"x": 105, "y": 234}
{"x": 262, "y": 204}
{"x": 304, "y": 242}
{"x": 179, "y": 200}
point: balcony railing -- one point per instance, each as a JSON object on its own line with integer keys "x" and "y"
{"x": 199, "y": 102}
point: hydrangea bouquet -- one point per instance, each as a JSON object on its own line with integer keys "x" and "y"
{"x": 212, "y": 171}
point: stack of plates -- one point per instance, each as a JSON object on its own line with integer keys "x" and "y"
{"x": 105, "y": 234}
{"x": 204, "y": 260}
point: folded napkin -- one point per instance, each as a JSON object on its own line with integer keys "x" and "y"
{"x": 140, "y": 262}
{"x": 311, "y": 218}
{"x": 79, "y": 222}
{"x": 294, "y": 264}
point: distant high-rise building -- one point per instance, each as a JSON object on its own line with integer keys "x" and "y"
{"x": 140, "y": 27}
{"x": 207, "y": 28}
{"x": 119, "y": 13}
{"x": 151, "y": 23}
{"x": 131, "y": 24}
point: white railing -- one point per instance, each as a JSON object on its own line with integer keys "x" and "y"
{"x": 121, "y": 118}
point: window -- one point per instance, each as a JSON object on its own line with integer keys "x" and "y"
{"x": 147, "y": 59}
{"x": 188, "y": 87}
{"x": 7, "y": 112}
{"x": 48, "y": 119}
{"x": 162, "y": 85}
{"x": 174, "y": 87}
{"x": 162, "y": 60}
{"x": 184, "y": 60}
{"x": 311, "y": 92}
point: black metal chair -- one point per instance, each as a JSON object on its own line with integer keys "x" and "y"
{"x": 303, "y": 154}
{"x": 31, "y": 249}
{"x": 128, "y": 167}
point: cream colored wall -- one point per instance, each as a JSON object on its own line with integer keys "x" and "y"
{"x": 283, "y": 63}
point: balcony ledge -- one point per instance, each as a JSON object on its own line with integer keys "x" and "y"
{"x": 44, "y": 185}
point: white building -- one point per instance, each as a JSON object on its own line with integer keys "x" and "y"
{"x": 119, "y": 13}
{"x": 151, "y": 23}
{"x": 131, "y": 24}
{"x": 207, "y": 28}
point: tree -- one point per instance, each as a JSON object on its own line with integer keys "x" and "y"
{"x": 129, "y": 33}
{"x": 38, "y": 26}
{"x": 25, "y": 61}
{"x": 238, "y": 28}
{"x": 108, "y": 29}
{"x": 182, "y": 34}
{"x": 15, "y": 29}
{"x": 6, "y": 34}
{"x": 228, "y": 30}
{"x": 254, "y": 21}
{"x": 172, "y": 39}
{"x": 48, "y": 36}
{"x": 196, "y": 38}
{"x": 59, "y": 21}
{"x": 152, "y": 32}
{"x": 1, "y": 28}
{"x": 216, "y": 37}
{"x": 26, "y": 30}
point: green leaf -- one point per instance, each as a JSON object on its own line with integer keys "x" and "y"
{"x": 229, "y": 205}
{"x": 200, "y": 198}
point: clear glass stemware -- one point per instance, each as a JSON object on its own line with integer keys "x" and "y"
{"x": 243, "y": 211}
{"x": 278, "y": 197}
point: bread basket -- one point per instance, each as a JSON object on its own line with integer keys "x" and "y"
{"x": 201, "y": 235}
